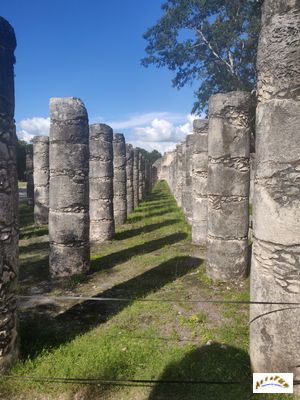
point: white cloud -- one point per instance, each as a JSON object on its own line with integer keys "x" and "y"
{"x": 136, "y": 120}
{"x": 162, "y": 134}
{"x": 30, "y": 127}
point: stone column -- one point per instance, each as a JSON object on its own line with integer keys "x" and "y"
{"x": 102, "y": 225}
{"x": 29, "y": 174}
{"x": 178, "y": 183}
{"x": 141, "y": 176}
{"x": 41, "y": 179}
{"x": 69, "y": 188}
{"x": 275, "y": 270}
{"x": 230, "y": 117}
{"x": 199, "y": 182}
{"x": 187, "y": 193}
{"x": 8, "y": 201}
{"x": 120, "y": 196}
{"x": 135, "y": 178}
{"x": 129, "y": 178}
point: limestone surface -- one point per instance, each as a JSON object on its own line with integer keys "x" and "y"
{"x": 102, "y": 225}
{"x": 69, "y": 187}
{"x": 275, "y": 276}
{"x": 29, "y": 174}
{"x": 199, "y": 182}
{"x": 41, "y": 178}
{"x": 120, "y": 196}
{"x": 230, "y": 118}
{"x": 135, "y": 177}
{"x": 129, "y": 178}
{"x": 187, "y": 191}
{"x": 8, "y": 201}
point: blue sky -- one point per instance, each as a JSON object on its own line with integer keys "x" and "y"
{"x": 92, "y": 50}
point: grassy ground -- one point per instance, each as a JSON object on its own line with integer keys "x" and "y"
{"x": 151, "y": 258}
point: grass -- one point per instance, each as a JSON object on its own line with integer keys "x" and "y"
{"x": 22, "y": 185}
{"x": 151, "y": 258}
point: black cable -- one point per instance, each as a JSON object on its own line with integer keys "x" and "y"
{"x": 128, "y": 300}
{"x": 98, "y": 381}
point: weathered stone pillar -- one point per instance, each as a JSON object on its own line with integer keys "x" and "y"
{"x": 8, "y": 201}
{"x": 199, "y": 182}
{"x": 141, "y": 176}
{"x": 187, "y": 193}
{"x": 41, "y": 179}
{"x": 102, "y": 224}
{"x": 230, "y": 117}
{"x": 275, "y": 273}
{"x": 129, "y": 178}
{"x": 29, "y": 174}
{"x": 147, "y": 177}
{"x": 69, "y": 188}
{"x": 135, "y": 178}
{"x": 120, "y": 196}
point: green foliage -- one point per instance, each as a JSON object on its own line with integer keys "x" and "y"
{"x": 213, "y": 42}
{"x": 151, "y": 156}
{"x": 21, "y": 159}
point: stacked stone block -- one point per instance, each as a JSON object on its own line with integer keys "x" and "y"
{"x": 120, "y": 196}
{"x": 102, "y": 225}
{"x": 29, "y": 174}
{"x": 141, "y": 176}
{"x": 8, "y": 201}
{"x": 129, "y": 178}
{"x": 69, "y": 188}
{"x": 199, "y": 182}
{"x": 187, "y": 192}
{"x": 275, "y": 269}
{"x": 136, "y": 177}
{"x": 230, "y": 118}
{"x": 41, "y": 179}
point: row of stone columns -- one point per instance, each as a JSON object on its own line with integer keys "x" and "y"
{"x": 87, "y": 180}
{"x": 119, "y": 178}
{"x": 225, "y": 175}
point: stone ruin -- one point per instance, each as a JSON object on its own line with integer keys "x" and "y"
{"x": 212, "y": 176}
{"x": 102, "y": 223}
{"x": 120, "y": 181}
{"x": 69, "y": 188}
{"x": 41, "y": 178}
{"x": 29, "y": 174}
{"x": 199, "y": 182}
{"x": 230, "y": 117}
{"x": 275, "y": 268}
{"x": 8, "y": 201}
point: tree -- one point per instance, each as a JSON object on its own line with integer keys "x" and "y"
{"x": 210, "y": 41}
{"x": 150, "y": 156}
{"x": 21, "y": 159}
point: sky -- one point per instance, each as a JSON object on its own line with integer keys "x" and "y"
{"x": 92, "y": 50}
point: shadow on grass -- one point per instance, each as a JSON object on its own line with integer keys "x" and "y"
{"x": 124, "y": 255}
{"x": 33, "y": 247}
{"x": 88, "y": 314}
{"x": 144, "y": 229}
{"x": 34, "y": 272}
{"x": 208, "y": 363}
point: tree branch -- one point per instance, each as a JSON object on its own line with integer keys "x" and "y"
{"x": 230, "y": 65}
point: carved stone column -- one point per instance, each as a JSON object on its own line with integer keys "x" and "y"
{"x": 8, "y": 201}
{"x": 69, "y": 188}
{"x": 230, "y": 118}
{"x": 275, "y": 269}
{"x": 102, "y": 225}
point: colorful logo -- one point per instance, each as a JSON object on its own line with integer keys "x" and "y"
{"x": 273, "y": 382}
